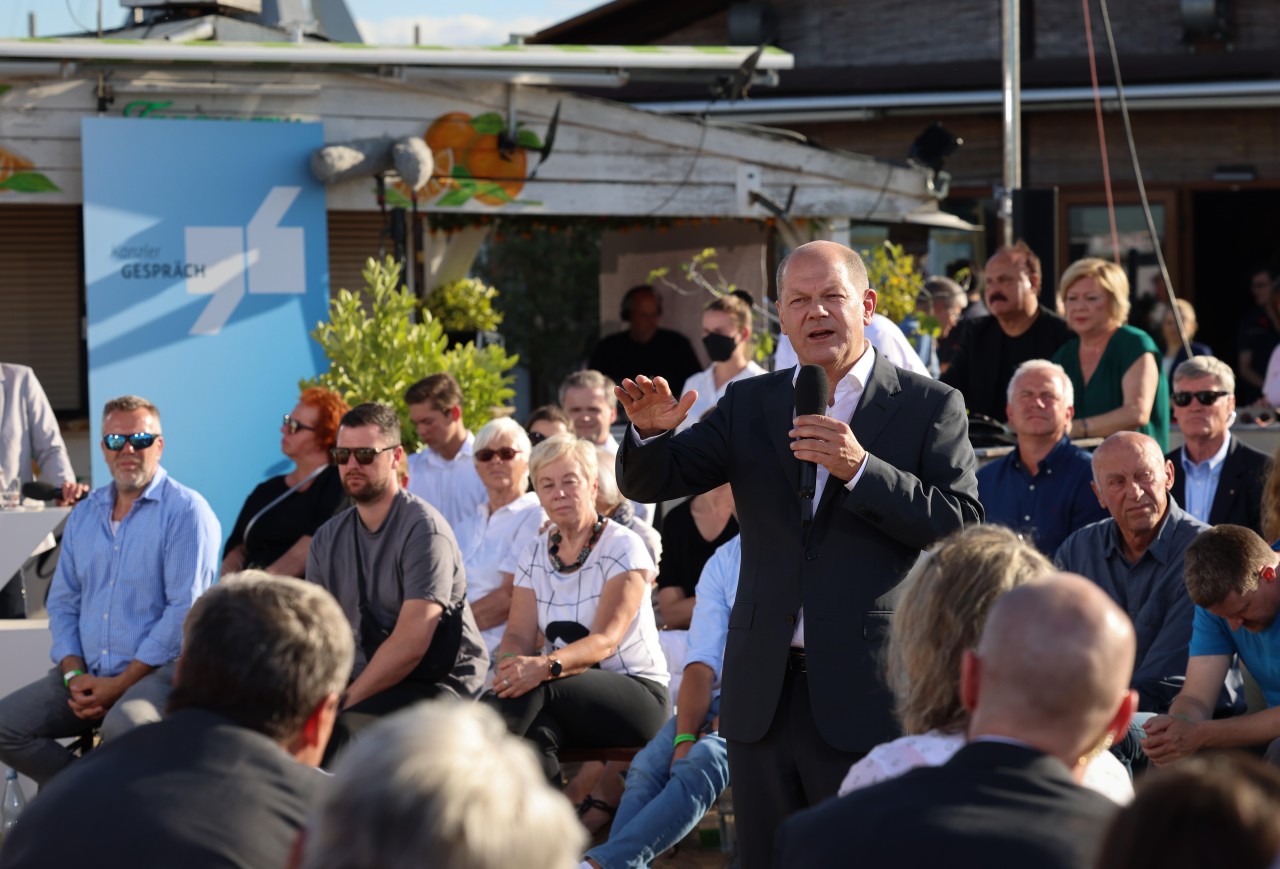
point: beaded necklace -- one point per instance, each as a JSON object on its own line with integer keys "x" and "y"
{"x": 554, "y": 551}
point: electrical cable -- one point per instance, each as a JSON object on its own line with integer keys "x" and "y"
{"x": 1137, "y": 174}
{"x": 1102, "y": 134}
{"x": 702, "y": 138}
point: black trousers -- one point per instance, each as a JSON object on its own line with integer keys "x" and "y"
{"x": 593, "y": 709}
{"x": 352, "y": 720}
{"x": 790, "y": 769}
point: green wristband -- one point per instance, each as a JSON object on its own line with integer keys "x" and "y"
{"x": 507, "y": 655}
{"x": 683, "y": 737}
{"x": 68, "y": 676}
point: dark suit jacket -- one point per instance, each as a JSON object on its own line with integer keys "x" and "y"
{"x": 918, "y": 486}
{"x": 993, "y": 804}
{"x": 1238, "y": 499}
{"x": 192, "y": 791}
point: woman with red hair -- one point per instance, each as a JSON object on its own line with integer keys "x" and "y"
{"x": 273, "y": 531}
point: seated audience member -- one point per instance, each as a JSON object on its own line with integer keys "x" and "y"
{"x": 1258, "y": 333}
{"x": 587, "y": 399}
{"x": 114, "y": 648}
{"x": 1174, "y": 353}
{"x": 547, "y": 421}
{"x": 1041, "y": 489}
{"x": 884, "y": 335}
{"x": 1017, "y": 328}
{"x": 495, "y": 534}
{"x": 1046, "y": 691}
{"x": 1220, "y": 811}
{"x": 1217, "y": 478}
{"x": 676, "y": 778}
{"x": 1231, "y": 577}
{"x": 691, "y": 532}
{"x": 1136, "y": 557}
{"x": 441, "y": 784}
{"x": 394, "y": 566}
{"x": 726, "y": 336}
{"x": 227, "y": 778}
{"x": 442, "y": 473}
{"x": 644, "y": 346}
{"x": 940, "y": 616}
{"x": 947, "y": 303}
{"x": 275, "y": 526}
{"x": 1114, "y": 367}
{"x": 583, "y": 585}
{"x": 611, "y": 505}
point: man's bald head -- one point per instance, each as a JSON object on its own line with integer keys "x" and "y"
{"x": 1126, "y": 445}
{"x": 854, "y": 268}
{"x": 1054, "y": 665}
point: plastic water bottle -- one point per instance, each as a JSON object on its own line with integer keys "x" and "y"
{"x": 14, "y": 803}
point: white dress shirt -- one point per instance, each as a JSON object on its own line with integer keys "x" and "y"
{"x": 452, "y": 486}
{"x": 708, "y": 395}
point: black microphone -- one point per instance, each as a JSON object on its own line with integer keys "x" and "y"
{"x": 41, "y": 491}
{"x": 811, "y": 398}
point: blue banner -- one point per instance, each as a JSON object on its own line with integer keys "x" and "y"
{"x": 206, "y": 263}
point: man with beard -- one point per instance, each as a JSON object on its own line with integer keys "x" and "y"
{"x": 394, "y": 566}
{"x": 136, "y": 554}
{"x": 1017, "y": 329}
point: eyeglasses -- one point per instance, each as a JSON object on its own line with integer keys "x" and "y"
{"x": 138, "y": 440}
{"x": 293, "y": 425}
{"x": 1204, "y": 396}
{"x": 504, "y": 453}
{"x": 364, "y": 455}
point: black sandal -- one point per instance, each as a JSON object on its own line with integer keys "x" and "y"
{"x": 589, "y": 802}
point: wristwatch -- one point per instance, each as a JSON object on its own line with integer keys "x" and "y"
{"x": 554, "y": 667}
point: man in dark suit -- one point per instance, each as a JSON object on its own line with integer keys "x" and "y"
{"x": 801, "y": 697}
{"x": 1047, "y": 690}
{"x": 1216, "y": 478}
{"x": 227, "y": 778}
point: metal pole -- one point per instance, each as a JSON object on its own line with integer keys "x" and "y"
{"x": 1012, "y": 88}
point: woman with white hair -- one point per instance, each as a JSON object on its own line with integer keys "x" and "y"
{"x": 493, "y": 535}
{"x": 600, "y": 680}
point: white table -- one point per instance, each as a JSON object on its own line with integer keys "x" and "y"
{"x": 21, "y": 532}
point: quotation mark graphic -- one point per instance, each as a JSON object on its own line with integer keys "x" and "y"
{"x": 261, "y": 258}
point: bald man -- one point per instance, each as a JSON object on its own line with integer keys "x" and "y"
{"x": 1136, "y": 557}
{"x": 1046, "y": 691}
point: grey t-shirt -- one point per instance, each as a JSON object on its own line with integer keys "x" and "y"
{"x": 413, "y": 556}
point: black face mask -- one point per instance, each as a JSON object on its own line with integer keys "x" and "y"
{"x": 719, "y": 347}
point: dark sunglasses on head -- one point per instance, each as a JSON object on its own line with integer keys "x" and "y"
{"x": 504, "y": 453}
{"x": 293, "y": 425}
{"x": 138, "y": 440}
{"x": 1205, "y": 397}
{"x": 364, "y": 455}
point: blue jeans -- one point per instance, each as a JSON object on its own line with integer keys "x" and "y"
{"x": 663, "y": 802}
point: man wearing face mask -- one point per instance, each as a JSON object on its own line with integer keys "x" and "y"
{"x": 726, "y": 336}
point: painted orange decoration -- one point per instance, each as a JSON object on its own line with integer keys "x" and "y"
{"x": 487, "y": 164}
{"x": 12, "y": 164}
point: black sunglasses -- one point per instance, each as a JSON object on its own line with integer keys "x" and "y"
{"x": 364, "y": 455}
{"x": 293, "y": 425}
{"x": 536, "y": 437}
{"x": 504, "y": 453}
{"x": 1204, "y": 396}
{"x": 138, "y": 440}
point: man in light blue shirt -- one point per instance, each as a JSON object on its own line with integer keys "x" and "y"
{"x": 1231, "y": 577}
{"x": 681, "y": 772}
{"x": 136, "y": 554}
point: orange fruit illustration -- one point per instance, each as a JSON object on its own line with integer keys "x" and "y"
{"x": 12, "y": 164}
{"x": 447, "y": 137}
{"x": 486, "y": 164}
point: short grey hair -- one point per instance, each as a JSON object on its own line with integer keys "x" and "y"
{"x": 565, "y": 446}
{"x": 587, "y": 379}
{"x": 1031, "y": 365}
{"x": 445, "y": 783}
{"x": 1196, "y": 367}
{"x": 503, "y": 425}
{"x": 263, "y": 651}
{"x": 130, "y": 403}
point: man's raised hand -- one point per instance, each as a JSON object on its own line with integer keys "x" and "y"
{"x": 650, "y": 405}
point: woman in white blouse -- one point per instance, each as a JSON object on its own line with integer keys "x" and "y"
{"x": 726, "y": 336}
{"x": 940, "y": 615}
{"x": 492, "y": 537}
{"x": 600, "y": 680}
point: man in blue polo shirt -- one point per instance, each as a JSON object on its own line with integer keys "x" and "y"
{"x": 136, "y": 554}
{"x": 1231, "y": 577}
{"x": 1041, "y": 489}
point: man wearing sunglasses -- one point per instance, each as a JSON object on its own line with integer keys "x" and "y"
{"x": 136, "y": 553}
{"x": 394, "y": 565}
{"x": 443, "y": 472}
{"x": 1217, "y": 479}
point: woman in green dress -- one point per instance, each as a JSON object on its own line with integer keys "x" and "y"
{"x": 1114, "y": 368}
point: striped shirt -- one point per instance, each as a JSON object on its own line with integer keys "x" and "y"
{"x": 121, "y": 596}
